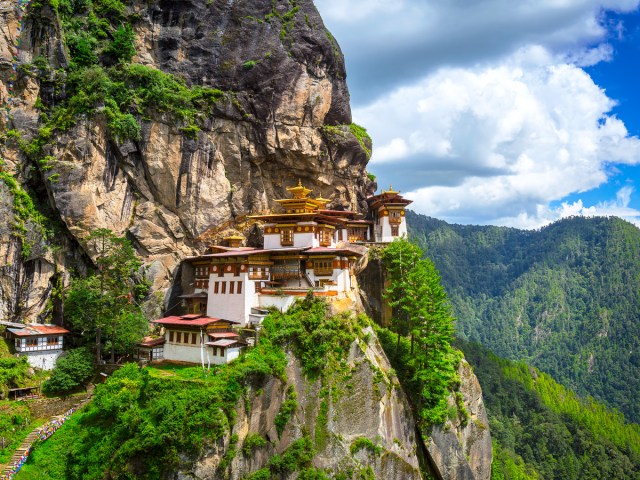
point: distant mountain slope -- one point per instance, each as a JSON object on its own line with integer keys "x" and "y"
{"x": 543, "y": 431}
{"x": 565, "y": 298}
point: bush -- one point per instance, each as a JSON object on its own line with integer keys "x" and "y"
{"x": 72, "y": 370}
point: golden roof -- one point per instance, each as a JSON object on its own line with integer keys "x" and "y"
{"x": 299, "y": 191}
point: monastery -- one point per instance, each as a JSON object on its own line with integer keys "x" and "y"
{"x": 307, "y": 247}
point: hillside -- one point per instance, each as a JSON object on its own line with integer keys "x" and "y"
{"x": 316, "y": 399}
{"x": 542, "y": 430}
{"x": 565, "y": 299}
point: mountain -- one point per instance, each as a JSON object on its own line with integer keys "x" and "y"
{"x": 565, "y": 298}
{"x": 543, "y": 430}
{"x": 160, "y": 120}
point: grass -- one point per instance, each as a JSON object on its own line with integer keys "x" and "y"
{"x": 48, "y": 460}
{"x": 15, "y": 438}
{"x": 181, "y": 371}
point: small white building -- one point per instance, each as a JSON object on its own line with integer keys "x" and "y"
{"x": 388, "y": 215}
{"x": 196, "y": 338}
{"x": 41, "y": 344}
{"x": 151, "y": 349}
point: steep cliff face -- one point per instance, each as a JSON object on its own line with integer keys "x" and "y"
{"x": 283, "y": 115}
{"x": 461, "y": 449}
{"x": 337, "y": 418}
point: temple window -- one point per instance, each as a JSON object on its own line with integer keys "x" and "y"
{"x": 323, "y": 267}
{"x": 394, "y": 230}
{"x": 286, "y": 236}
{"x": 395, "y": 216}
{"x": 325, "y": 237}
{"x": 356, "y": 234}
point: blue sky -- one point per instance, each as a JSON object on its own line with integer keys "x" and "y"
{"x": 498, "y": 112}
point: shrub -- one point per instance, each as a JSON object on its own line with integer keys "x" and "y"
{"x": 72, "y": 370}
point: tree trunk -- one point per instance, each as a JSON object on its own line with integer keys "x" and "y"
{"x": 98, "y": 345}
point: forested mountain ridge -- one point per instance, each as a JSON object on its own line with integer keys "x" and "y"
{"x": 541, "y": 430}
{"x": 564, "y": 298}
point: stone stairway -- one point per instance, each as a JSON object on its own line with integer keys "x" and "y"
{"x": 9, "y": 470}
{"x": 19, "y": 453}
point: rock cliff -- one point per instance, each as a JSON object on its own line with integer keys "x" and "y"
{"x": 284, "y": 115}
{"x": 338, "y": 417}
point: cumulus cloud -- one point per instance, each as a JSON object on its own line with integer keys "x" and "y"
{"x": 403, "y": 40}
{"x": 496, "y": 144}
{"x": 480, "y": 110}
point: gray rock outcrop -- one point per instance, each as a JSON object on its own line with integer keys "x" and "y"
{"x": 284, "y": 79}
{"x": 370, "y": 404}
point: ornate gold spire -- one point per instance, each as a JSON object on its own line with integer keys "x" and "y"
{"x": 299, "y": 191}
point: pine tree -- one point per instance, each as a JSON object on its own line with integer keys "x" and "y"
{"x": 422, "y": 312}
{"x": 107, "y": 303}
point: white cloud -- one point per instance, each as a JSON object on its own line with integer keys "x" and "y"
{"x": 493, "y": 144}
{"x": 480, "y": 109}
{"x": 396, "y": 41}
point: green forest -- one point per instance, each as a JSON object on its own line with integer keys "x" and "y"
{"x": 565, "y": 298}
{"x": 541, "y": 430}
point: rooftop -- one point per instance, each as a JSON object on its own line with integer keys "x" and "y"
{"x": 192, "y": 320}
{"x": 36, "y": 329}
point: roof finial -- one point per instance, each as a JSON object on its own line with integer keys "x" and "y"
{"x": 299, "y": 182}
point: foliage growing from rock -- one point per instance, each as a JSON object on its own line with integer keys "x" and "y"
{"x": 252, "y": 442}
{"x": 363, "y": 137}
{"x": 287, "y": 409}
{"x": 28, "y": 222}
{"x": 336, "y": 132}
{"x": 421, "y": 313}
{"x": 106, "y": 82}
{"x": 318, "y": 339}
{"x": 363, "y": 442}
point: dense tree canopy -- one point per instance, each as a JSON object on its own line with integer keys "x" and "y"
{"x": 544, "y": 431}
{"x": 565, "y": 299}
{"x": 421, "y": 313}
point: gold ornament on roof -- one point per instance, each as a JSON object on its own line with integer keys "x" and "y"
{"x": 300, "y": 191}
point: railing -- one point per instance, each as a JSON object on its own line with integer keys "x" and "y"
{"x": 37, "y": 348}
{"x": 258, "y": 275}
{"x": 278, "y": 272}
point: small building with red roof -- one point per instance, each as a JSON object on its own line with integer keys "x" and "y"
{"x": 42, "y": 344}
{"x": 197, "y": 338}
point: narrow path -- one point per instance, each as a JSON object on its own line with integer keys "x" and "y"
{"x": 38, "y": 434}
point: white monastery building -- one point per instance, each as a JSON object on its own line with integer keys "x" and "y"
{"x": 41, "y": 344}
{"x": 307, "y": 248}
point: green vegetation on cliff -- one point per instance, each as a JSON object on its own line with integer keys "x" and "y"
{"x": 543, "y": 430}
{"x": 565, "y": 299}
{"x": 422, "y": 322}
{"x": 146, "y": 422}
{"x": 101, "y": 80}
